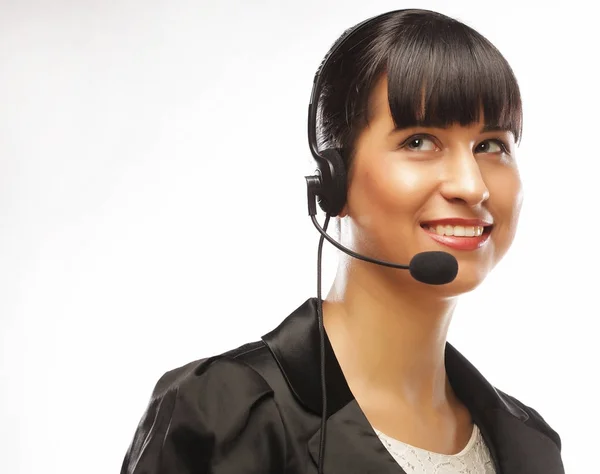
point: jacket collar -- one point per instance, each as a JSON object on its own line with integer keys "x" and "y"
{"x": 295, "y": 345}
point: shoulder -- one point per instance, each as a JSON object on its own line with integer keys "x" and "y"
{"x": 533, "y": 419}
{"x": 207, "y": 413}
{"x": 225, "y": 371}
{"x": 224, "y": 391}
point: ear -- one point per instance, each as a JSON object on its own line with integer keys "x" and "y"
{"x": 344, "y": 211}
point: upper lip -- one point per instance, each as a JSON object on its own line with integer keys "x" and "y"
{"x": 458, "y": 221}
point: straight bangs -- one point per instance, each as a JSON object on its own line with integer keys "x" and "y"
{"x": 445, "y": 73}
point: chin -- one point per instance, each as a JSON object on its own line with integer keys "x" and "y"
{"x": 461, "y": 285}
{"x": 470, "y": 276}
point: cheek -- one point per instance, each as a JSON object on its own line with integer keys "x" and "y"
{"x": 385, "y": 203}
{"x": 506, "y": 199}
{"x": 393, "y": 187}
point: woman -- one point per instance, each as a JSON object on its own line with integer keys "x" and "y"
{"x": 425, "y": 114}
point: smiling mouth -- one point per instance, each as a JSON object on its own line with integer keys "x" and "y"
{"x": 458, "y": 230}
{"x": 459, "y": 237}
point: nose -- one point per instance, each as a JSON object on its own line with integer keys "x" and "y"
{"x": 463, "y": 180}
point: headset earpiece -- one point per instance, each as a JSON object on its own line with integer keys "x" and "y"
{"x": 333, "y": 189}
{"x": 331, "y": 169}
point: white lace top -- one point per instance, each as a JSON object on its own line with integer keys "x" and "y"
{"x": 473, "y": 459}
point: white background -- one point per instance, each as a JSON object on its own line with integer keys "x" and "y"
{"x": 152, "y": 157}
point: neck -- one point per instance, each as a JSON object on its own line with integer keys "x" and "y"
{"x": 389, "y": 333}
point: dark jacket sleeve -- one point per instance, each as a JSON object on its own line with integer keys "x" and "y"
{"x": 215, "y": 416}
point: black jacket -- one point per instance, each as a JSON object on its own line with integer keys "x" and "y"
{"x": 256, "y": 410}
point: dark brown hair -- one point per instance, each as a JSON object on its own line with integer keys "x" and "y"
{"x": 430, "y": 60}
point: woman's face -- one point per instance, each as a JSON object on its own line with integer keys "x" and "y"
{"x": 419, "y": 189}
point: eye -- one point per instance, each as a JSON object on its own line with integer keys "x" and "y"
{"x": 419, "y": 143}
{"x": 492, "y": 146}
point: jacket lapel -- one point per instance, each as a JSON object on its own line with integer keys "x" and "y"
{"x": 515, "y": 440}
{"x": 351, "y": 446}
{"x": 519, "y": 448}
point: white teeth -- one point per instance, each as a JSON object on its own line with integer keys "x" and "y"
{"x": 457, "y": 230}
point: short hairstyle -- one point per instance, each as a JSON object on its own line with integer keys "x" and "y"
{"x": 433, "y": 63}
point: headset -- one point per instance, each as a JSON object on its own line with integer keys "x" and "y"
{"x": 329, "y": 186}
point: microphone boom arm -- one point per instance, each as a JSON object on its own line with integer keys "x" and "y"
{"x": 313, "y": 185}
